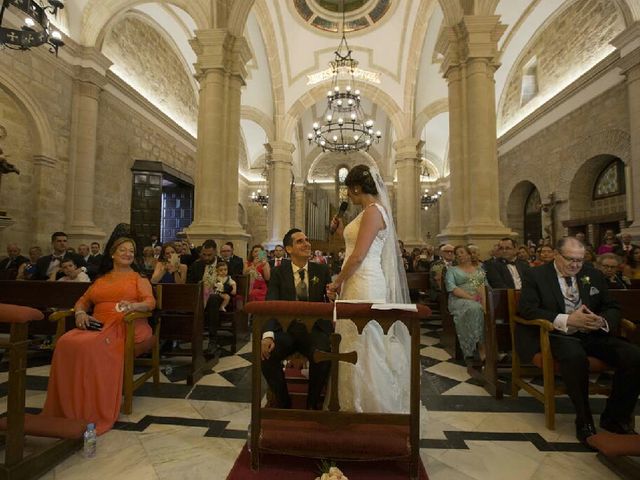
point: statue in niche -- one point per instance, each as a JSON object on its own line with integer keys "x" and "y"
{"x": 548, "y": 217}
{"x": 5, "y": 168}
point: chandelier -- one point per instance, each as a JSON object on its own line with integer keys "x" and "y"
{"x": 343, "y": 127}
{"x": 428, "y": 200}
{"x": 36, "y": 30}
{"x": 258, "y": 196}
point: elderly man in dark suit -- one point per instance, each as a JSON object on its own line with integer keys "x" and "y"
{"x": 302, "y": 281}
{"x": 236, "y": 264}
{"x": 575, "y": 298}
{"x": 10, "y": 265}
{"x": 506, "y": 271}
{"x": 49, "y": 264}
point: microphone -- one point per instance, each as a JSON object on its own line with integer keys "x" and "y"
{"x": 343, "y": 208}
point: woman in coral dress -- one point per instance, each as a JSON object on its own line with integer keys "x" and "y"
{"x": 259, "y": 272}
{"x": 87, "y": 368}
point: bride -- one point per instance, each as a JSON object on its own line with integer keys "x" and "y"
{"x": 372, "y": 272}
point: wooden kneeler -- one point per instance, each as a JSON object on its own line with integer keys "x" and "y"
{"x": 332, "y": 433}
{"x": 16, "y": 424}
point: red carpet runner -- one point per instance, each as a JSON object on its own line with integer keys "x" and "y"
{"x": 279, "y": 467}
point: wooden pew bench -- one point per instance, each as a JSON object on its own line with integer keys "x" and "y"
{"x": 332, "y": 433}
{"x": 17, "y": 424}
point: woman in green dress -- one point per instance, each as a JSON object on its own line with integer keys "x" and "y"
{"x": 465, "y": 284}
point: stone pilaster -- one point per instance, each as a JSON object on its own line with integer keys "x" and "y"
{"x": 299, "y": 220}
{"x": 221, "y": 72}
{"x": 471, "y": 49}
{"x": 279, "y": 156}
{"x": 408, "y": 154}
{"x": 628, "y": 43}
{"x": 87, "y": 85}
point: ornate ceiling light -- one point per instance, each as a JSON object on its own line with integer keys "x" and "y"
{"x": 343, "y": 127}
{"x": 429, "y": 200}
{"x": 36, "y": 30}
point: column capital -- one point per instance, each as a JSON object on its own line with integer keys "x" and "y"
{"x": 408, "y": 148}
{"x": 89, "y": 81}
{"x": 217, "y": 49}
{"x": 280, "y": 151}
{"x": 476, "y": 36}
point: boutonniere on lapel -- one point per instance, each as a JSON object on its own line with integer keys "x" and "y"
{"x": 315, "y": 280}
{"x": 585, "y": 281}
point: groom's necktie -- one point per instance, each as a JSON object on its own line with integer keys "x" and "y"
{"x": 301, "y": 288}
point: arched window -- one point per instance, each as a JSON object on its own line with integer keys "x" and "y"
{"x": 529, "y": 85}
{"x": 533, "y": 217}
{"x": 610, "y": 182}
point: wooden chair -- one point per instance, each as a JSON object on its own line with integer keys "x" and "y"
{"x": 17, "y": 424}
{"x": 449, "y": 338}
{"x": 182, "y": 312}
{"x": 132, "y": 350}
{"x": 544, "y": 361}
{"x": 496, "y": 339}
{"x": 332, "y": 433}
{"x": 418, "y": 286}
{"x": 234, "y": 323}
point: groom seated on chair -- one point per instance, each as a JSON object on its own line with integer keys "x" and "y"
{"x": 297, "y": 280}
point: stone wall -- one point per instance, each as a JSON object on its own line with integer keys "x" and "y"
{"x": 568, "y": 46}
{"x": 566, "y": 157}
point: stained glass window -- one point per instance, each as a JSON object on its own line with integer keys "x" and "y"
{"x": 610, "y": 182}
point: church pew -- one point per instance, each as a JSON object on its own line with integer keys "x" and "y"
{"x": 418, "y": 286}
{"x": 497, "y": 339}
{"x": 332, "y": 433}
{"x": 17, "y": 424}
{"x": 234, "y": 323}
{"x": 629, "y": 301}
{"x": 448, "y": 337}
{"x": 43, "y": 296}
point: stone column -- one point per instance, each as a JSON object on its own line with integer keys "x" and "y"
{"x": 87, "y": 85}
{"x": 280, "y": 160}
{"x": 221, "y": 72}
{"x": 628, "y": 43}
{"x": 408, "y": 154}
{"x": 299, "y": 219}
{"x": 471, "y": 50}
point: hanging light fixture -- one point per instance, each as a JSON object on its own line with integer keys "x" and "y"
{"x": 259, "y": 196}
{"x": 343, "y": 127}
{"x": 429, "y": 200}
{"x": 36, "y": 30}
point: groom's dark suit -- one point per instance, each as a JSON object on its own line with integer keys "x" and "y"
{"x": 296, "y": 338}
{"x": 542, "y": 298}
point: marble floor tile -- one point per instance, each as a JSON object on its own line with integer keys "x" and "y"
{"x": 437, "y": 470}
{"x": 211, "y": 410}
{"x": 215, "y": 380}
{"x": 231, "y": 363}
{"x": 467, "y": 389}
{"x": 572, "y": 466}
{"x": 450, "y": 370}
{"x": 435, "y": 352}
{"x": 161, "y": 407}
{"x": 426, "y": 340}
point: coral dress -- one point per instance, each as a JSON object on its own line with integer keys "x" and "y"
{"x": 258, "y": 290}
{"x": 87, "y": 367}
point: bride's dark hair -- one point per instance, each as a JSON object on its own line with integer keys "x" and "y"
{"x": 360, "y": 176}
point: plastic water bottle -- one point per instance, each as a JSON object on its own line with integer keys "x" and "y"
{"x": 90, "y": 440}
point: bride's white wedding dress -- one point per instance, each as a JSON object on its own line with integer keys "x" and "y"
{"x": 379, "y": 382}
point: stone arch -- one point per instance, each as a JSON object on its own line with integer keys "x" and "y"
{"x": 430, "y": 111}
{"x": 338, "y": 159}
{"x": 45, "y": 143}
{"x": 516, "y": 205}
{"x": 581, "y": 202}
{"x": 630, "y": 10}
{"x": 238, "y": 16}
{"x": 98, "y": 14}
{"x": 259, "y": 117}
{"x": 376, "y": 95}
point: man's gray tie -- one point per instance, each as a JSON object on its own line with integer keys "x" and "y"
{"x": 301, "y": 288}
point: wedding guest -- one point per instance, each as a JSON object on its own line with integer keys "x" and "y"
{"x": 149, "y": 261}
{"x": 466, "y": 286}
{"x": 609, "y": 243}
{"x": 609, "y": 265}
{"x": 87, "y": 367}
{"x": 235, "y": 263}
{"x": 632, "y": 268}
{"x": 169, "y": 268}
{"x": 544, "y": 255}
{"x": 259, "y": 273}
{"x": 475, "y": 255}
{"x": 225, "y": 286}
{"x": 9, "y": 266}
{"x": 278, "y": 257}
{"x": 50, "y": 263}
{"x": 72, "y": 273}
{"x": 26, "y": 270}
{"x": 156, "y": 251}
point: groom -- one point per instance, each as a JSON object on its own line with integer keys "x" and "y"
{"x": 302, "y": 281}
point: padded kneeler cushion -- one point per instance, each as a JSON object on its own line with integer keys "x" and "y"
{"x": 17, "y": 314}
{"x": 310, "y": 439}
{"x": 595, "y": 364}
{"x": 53, "y": 427}
{"x": 615, "y": 445}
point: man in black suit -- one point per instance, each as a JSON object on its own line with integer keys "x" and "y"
{"x": 236, "y": 264}
{"x": 575, "y": 298}
{"x": 506, "y": 271}
{"x": 302, "y": 281}
{"x": 278, "y": 257}
{"x": 204, "y": 269}
{"x": 48, "y": 264}
{"x": 10, "y": 265}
